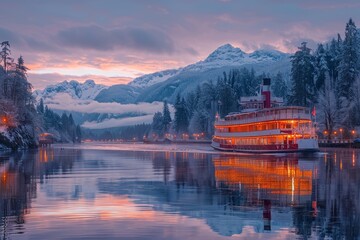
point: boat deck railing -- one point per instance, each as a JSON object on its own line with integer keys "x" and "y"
{"x": 224, "y": 132}
{"x": 260, "y": 117}
{"x": 260, "y": 147}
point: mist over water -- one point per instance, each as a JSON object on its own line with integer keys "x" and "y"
{"x": 137, "y": 191}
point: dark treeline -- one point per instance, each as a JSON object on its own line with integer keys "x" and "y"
{"x": 21, "y": 120}
{"x": 128, "y": 133}
{"x": 326, "y": 79}
{"x": 16, "y": 101}
{"x": 17, "y": 111}
{"x": 195, "y": 112}
{"x": 62, "y": 127}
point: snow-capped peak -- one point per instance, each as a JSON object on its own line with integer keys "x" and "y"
{"x": 87, "y": 90}
{"x": 225, "y": 53}
{"x": 90, "y": 82}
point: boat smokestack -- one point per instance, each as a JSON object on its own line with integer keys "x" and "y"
{"x": 265, "y": 91}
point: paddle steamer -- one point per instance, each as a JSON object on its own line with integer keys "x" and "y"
{"x": 265, "y": 126}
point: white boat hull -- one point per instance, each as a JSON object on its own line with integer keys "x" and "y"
{"x": 303, "y": 145}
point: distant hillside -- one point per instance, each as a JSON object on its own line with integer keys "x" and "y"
{"x": 118, "y": 93}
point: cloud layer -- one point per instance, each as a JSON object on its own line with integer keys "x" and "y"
{"x": 130, "y": 38}
{"x": 98, "y": 38}
{"x": 63, "y": 101}
{"x": 110, "y": 123}
{"x": 146, "y": 111}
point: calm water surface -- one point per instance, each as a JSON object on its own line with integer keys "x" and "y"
{"x": 136, "y": 191}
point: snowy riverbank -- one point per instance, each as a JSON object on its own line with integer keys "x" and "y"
{"x": 17, "y": 138}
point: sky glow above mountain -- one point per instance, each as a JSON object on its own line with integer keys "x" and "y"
{"x": 114, "y": 41}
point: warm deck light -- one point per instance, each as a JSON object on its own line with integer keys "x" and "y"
{"x": 4, "y": 177}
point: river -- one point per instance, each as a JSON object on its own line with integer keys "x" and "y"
{"x": 138, "y": 191}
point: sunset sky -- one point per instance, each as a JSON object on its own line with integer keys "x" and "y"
{"x": 114, "y": 41}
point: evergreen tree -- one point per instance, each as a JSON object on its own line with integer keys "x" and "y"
{"x": 279, "y": 86}
{"x": 333, "y": 57}
{"x": 166, "y": 117}
{"x": 46, "y": 111}
{"x": 78, "y": 133}
{"x": 181, "y": 121}
{"x": 71, "y": 120}
{"x": 71, "y": 128}
{"x": 20, "y": 66}
{"x": 5, "y": 55}
{"x": 355, "y": 105}
{"x": 157, "y": 124}
{"x": 349, "y": 66}
{"x": 348, "y": 69}
{"x": 348, "y": 74}
{"x": 207, "y": 98}
{"x": 192, "y": 100}
{"x": 65, "y": 121}
{"x": 226, "y": 97}
{"x": 199, "y": 122}
{"x": 40, "y": 107}
{"x": 243, "y": 82}
{"x": 321, "y": 67}
{"x": 21, "y": 89}
{"x": 302, "y": 76}
{"x": 250, "y": 82}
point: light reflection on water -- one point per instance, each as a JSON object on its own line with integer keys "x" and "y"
{"x": 71, "y": 192}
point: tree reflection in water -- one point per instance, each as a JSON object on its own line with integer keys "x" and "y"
{"x": 19, "y": 172}
{"x": 321, "y": 192}
{"x": 339, "y": 195}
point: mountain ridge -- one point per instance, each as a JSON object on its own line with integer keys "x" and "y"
{"x": 166, "y": 84}
{"x": 223, "y": 56}
{"x": 156, "y": 87}
{"x": 84, "y": 91}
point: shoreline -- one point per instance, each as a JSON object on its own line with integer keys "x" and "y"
{"x": 339, "y": 145}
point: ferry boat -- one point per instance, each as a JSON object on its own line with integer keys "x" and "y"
{"x": 266, "y": 126}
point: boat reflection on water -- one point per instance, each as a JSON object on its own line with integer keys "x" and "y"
{"x": 235, "y": 191}
{"x": 279, "y": 179}
{"x": 270, "y": 182}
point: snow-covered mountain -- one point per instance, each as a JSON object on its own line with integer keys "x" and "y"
{"x": 120, "y": 93}
{"x": 153, "y": 78}
{"x": 224, "y": 56}
{"x": 227, "y": 55}
{"x": 99, "y": 106}
{"x": 84, "y": 91}
{"x": 163, "y": 84}
{"x": 223, "y": 59}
